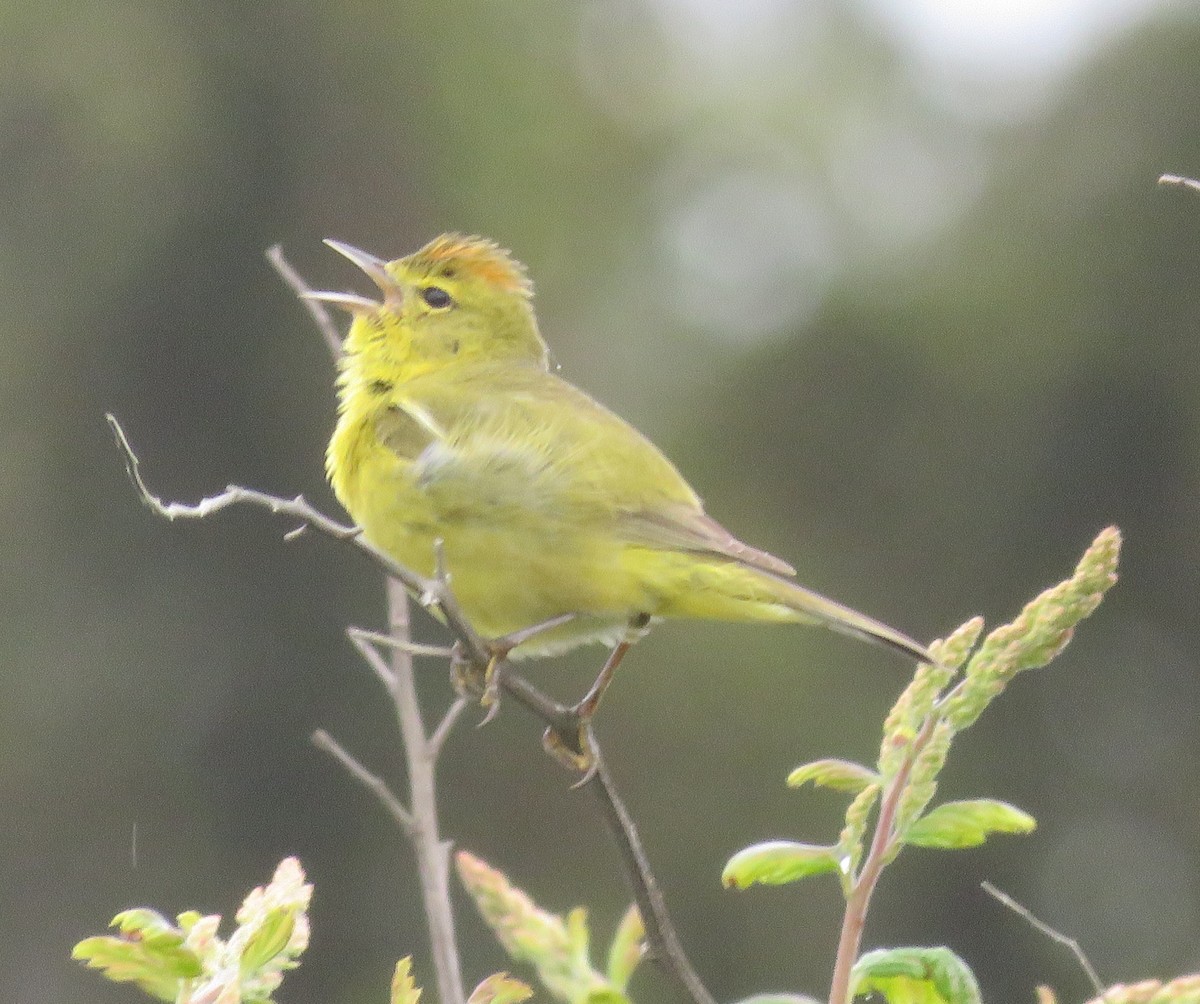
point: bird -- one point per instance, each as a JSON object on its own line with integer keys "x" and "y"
{"x": 458, "y": 448}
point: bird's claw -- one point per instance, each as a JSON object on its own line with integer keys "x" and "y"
{"x": 468, "y": 681}
{"x": 573, "y": 752}
{"x": 463, "y": 676}
{"x": 490, "y": 698}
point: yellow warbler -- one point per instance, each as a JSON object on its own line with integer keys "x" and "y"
{"x": 452, "y": 427}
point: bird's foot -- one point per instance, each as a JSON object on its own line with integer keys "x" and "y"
{"x": 572, "y": 745}
{"x": 468, "y": 680}
{"x": 570, "y": 740}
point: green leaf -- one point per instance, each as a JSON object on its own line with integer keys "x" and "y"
{"x": 776, "y": 862}
{"x": 955, "y": 825}
{"x": 500, "y": 988}
{"x": 840, "y": 775}
{"x": 157, "y": 964}
{"x": 914, "y": 976}
{"x": 268, "y": 940}
{"x": 628, "y": 947}
{"x": 404, "y": 990}
{"x": 606, "y": 995}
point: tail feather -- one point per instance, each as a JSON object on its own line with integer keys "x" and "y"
{"x": 734, "y": 591}
{"x": 819, "y": 609}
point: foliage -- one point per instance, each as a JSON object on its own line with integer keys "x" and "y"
{"x": 913, "y": 976}
{"x": 188, "y": 963}
{"x": 917, "y": 736}
{"x": 557, "y": 947}
{"x": 890, "y": 808}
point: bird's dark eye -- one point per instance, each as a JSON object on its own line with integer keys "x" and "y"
{"x": 437, "y": 297}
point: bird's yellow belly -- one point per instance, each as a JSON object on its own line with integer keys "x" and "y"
{"x": 509, "y": 568}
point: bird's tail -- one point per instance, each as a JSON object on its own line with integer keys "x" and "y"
{"x": 735, "y": 592}
{"x": 818, "y": 609}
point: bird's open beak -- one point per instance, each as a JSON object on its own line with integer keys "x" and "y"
{"x": 376, "y": 271}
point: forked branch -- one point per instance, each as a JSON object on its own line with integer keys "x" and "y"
{"x": 664, "y": 944}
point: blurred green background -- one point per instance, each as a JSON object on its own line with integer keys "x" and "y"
{"x": 892, "y": 282}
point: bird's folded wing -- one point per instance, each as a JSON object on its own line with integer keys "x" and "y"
{"x": 683, "y": 528}
{"x": 525, "y": 432}
{"x": 540, "y": 444}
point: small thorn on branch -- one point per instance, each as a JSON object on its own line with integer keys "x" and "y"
{"x": 403, "y": 644}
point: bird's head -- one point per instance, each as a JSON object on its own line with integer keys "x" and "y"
{"x": 457, "y": 298}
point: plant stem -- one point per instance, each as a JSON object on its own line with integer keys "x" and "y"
{"x": 433, "y": 853}
{"x": 854, "y": 918}
{"x": 420, "y": 822}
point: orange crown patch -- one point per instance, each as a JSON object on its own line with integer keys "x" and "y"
{"x": 476, "y": 256}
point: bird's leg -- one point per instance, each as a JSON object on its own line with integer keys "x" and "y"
{"x": 571, "y": 743}
{"x": 634, "y": 632}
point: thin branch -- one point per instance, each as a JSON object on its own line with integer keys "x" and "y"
{"x": 1068, "y": 942}
{"x": 315, "y": 308}
{"x": 438, "y": 739}
{"x": 433, "y": 853}
{"x": 411, "y": 647}
{"x": 664, "y": 946}
{"x": 439, "y": 597}
{"x": 1179, "y": 181}
{"x": 374, "y": 784}
{"x": 373, "y": 659}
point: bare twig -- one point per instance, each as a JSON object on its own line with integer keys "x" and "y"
{"x": 433, "y": 854}
{"x": 438, "y": 737}
{"x": 1179, "y": 181}
{"x": 665, "y": 948}
{"x": 299, "y": 509}
{"x": 562, "y": 718}
{"x": 1055, "y": 935}
{"x": 411, "y": 647}
{"x": 366, "y": 648}
{"x": 315, "y": 308}
{"x": 374, "y": 784}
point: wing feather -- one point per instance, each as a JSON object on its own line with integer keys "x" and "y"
{"x": 524, "y": 438}
{"x": 681, "y": 528}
